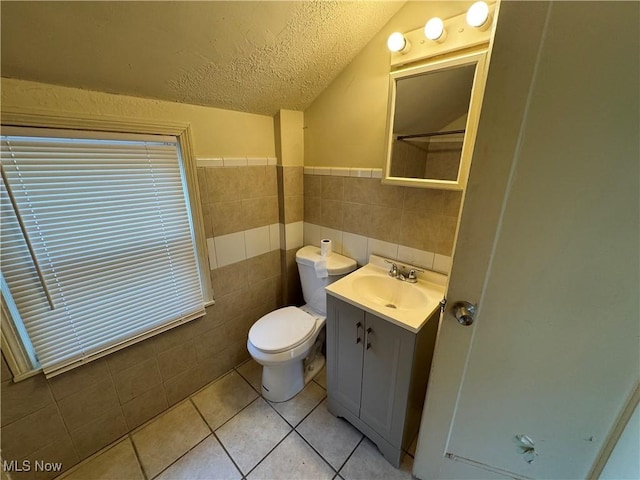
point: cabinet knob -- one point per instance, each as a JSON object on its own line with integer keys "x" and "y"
{"x": 369, "y": 332}
{"x": 358, "y": 339}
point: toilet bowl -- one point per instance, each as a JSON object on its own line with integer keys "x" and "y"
{"x": 287, "y": 342}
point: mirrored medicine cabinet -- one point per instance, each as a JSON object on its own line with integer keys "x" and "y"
{"x": 433, "y": 112}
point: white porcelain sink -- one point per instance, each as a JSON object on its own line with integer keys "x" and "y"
{"x": 408, "y": 305}
{"x": 390, "y": 292}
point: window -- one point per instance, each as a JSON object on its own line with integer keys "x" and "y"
{"x": 97, "y": 243}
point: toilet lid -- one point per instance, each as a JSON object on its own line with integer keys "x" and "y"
{"x": 281, "y": 330}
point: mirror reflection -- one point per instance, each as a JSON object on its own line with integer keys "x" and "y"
{"x": 429, "y": 121}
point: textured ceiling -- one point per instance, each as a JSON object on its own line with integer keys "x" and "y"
{"x": 256, "y": 57}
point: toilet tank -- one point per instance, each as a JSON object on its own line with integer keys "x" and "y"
{"x": 313, "y": 287}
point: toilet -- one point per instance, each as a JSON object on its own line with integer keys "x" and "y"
{"x": 287, "y": 342}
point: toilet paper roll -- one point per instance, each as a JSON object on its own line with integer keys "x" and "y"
{"x": 325, "y": 247}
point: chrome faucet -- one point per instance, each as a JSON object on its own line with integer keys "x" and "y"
{"x": 397, "y": 272}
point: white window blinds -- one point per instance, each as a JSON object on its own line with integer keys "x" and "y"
{"x": 110, "y": 232}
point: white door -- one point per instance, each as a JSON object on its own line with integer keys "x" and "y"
{"x": 548, "y": 249}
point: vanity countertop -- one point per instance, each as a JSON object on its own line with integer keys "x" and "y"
{"x": 408, "y": 305}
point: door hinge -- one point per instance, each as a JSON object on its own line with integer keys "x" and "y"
{"x": 443, "y": 304}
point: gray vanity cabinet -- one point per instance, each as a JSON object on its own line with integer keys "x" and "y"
{"x": 377, "y": 375}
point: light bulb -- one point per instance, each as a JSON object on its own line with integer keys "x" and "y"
{"x": 397, "y": 43}
{"x": 478, "y": 14}
{"x": 434, "y": 30}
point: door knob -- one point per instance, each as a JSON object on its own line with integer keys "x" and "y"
{"x": 464, "y": 313}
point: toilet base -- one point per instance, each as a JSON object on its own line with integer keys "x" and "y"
{"x": 283, "y": 382}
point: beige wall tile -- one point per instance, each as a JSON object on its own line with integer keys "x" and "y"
{"x": 79, "y": 378}
{"x": 358, "y": 190}
{"x": 293, "y": 178}
{"x": 357, "y": 218}
{"x": 263, "y": 291}
{"x": 215, "y": 366}
{"x": 445, "y": 233}
{"x": 31, "y": 433}
{"x": 424, "y": 201}
{"x": 259, "y": 212}
{"x": 227, "y": 217}
{"x": 23, "y": 398}
{"x": 211, "y": 320}
{"x": 313, "y": 210}
{"x": 206, "y": 219}
{"x": 270, "y": 182}
{"x": 136, "y": 380}
{"x": 332, "y": 214}
{"x": 259, "y": 181}
{"x": 229, "y": 279}
{"x": 261, "y": 310}
{"x": 210, "y": 343}
{"x": 237, "y": 329}
{"x": 225, "y": 184}
{"x": 182, "y": 385}
{"x": 386, "y": 195}
{"x": 293, "y": 208}
{"x": 237, "y": 352}
{"x": 177, "y": 359}
{"x": 332, "y": 188}
{"x": 202, "y": 185}
{"x": 418, "y": 231}
{"x": 231, "y": 305}
{"x": 100, "y": 432}
{"x": 145, "y": 406}
{"x": 82, "y": 407}
{"x": 130, "y": 356}
{"x": 264, "y": 266}
{"x": 385, "y": 223}
{"x": 312, "y": 186}
{"x": 173, "y": 337}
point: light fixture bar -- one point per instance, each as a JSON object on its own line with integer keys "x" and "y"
{"x": 459, "y": 35}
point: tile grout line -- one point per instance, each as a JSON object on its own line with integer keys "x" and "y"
{"x": 214, "y": 433}
{"x": 351, "y": 454}
{"x": 293, "y": 427}
{"x": 228, "y": 454}
{"x": 270, "y": 452}
{"x": 137, "y": 454}
{"x": 336, "y": 470}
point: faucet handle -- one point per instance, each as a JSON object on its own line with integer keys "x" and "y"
{"x": 412, "y": 278}
{"x": 393, "y": 271}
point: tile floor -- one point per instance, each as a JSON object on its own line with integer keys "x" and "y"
{"x": 227, "y": 430}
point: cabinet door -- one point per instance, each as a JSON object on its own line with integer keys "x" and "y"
{"x": 345, "y": 337}
{"x": 386, "y": 377}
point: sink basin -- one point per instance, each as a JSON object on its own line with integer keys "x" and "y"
{"x": 408, "y": 305}
{"x": 390, "y": 292}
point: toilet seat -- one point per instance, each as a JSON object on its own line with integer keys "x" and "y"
{"x": 282, "y": 330}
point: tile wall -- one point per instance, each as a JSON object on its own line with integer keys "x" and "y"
{"x": 363, "y": 216}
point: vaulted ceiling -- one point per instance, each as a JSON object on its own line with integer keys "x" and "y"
{"x": 256, "y": 56}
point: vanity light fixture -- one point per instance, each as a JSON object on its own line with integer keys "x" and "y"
{"x": 478, "y": 16}
{"x": 398, "y": 43}
{"x": 434, "y": 30}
